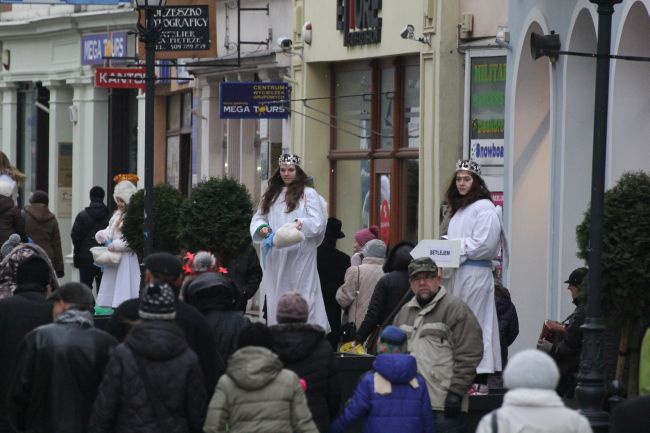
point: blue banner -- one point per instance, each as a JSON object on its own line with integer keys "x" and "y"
{"x": 97, "y": 45}
{"x": 258, "y": 100}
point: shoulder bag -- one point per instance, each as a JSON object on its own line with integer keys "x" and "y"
{"x": 371, "y": 341}
{"x": 349, "y": 329}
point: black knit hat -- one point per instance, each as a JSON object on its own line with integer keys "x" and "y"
{"x": 255, "y": 334}
{"x": 39, "y": 196}
{"x": 33, "y": 270}
{"x": 97, "y": 193}
{"x": 157, "y": 302}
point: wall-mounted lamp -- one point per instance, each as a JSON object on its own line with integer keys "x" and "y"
{"x": 73, "y": 114}
{"x": 409, "y": 33}
{"x": 306, "y": 32}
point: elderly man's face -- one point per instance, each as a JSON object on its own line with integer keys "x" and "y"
{"x": 425, "y": 285}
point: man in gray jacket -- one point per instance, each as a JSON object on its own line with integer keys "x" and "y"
{"x": 446, "y": 340}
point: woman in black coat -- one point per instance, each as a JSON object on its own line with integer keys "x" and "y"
{"x": 303, "y": 349}
{"x": 389, "y": 291}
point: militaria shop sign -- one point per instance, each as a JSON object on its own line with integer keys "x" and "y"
{"x": 188, "y": 30}
{"x": 257, "y": 100}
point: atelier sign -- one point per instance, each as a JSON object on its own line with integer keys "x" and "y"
{"x": 359, "y": 21}
{"x": 188, "y": 30}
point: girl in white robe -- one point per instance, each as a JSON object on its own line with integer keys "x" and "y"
{"x": 476, "y": 224}
{"x": 122, "y": 281}
{"x": 292, "y": 268}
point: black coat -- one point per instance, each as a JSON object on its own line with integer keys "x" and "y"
{"x": 246, "y": 272}
{"x": 11, "y": 220}
{"x": 226, "y": 326}
{"x": 197, "y": 330}
{"x": 303, "y": 349}
{"x": 58, "y": 370}
{"x": 332, "y": 264}
{"x": 125, "y": 405}
{"x": 19, "y": 314}
{"x": 508, "y": 321}
{"x": 566, "y": 350}
{"x": 88, "y": 222}
{"x": 390, "y": 289}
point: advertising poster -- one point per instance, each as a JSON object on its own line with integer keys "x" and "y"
{"x": 257, "y": 100}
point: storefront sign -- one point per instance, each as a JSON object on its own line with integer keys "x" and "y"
{"x": 487, "y": 110}
{"x": 384, "y": 221}
{"x": 96, "y": 46}
{"x": 446, "y": 253}
{"x": 359, "y": 21}
{"x": 188, "y": 30}
{"x": 120, "y": 78}
{"x": 69, "y": 2}
{"x": 258, "y": 100}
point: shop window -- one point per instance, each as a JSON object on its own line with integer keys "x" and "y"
{"x": 375, "y": 150}
{"x": 178, "y": 167}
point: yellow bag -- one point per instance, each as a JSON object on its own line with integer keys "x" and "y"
{"x": 351, "y": 347}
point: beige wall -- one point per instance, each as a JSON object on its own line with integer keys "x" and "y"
{"x": 441, "y": 90}
{"x": 488, "y": 15}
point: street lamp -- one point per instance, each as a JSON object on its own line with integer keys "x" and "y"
{"x": 149, "y": 31}
{"x": 591, "y": 388}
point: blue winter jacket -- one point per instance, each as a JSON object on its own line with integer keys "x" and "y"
{"x": 405, "y": 409}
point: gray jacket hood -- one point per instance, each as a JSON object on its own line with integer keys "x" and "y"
{"x": 253, "y": 367}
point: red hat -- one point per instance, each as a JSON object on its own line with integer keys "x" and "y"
{"x": 367, "y": 234}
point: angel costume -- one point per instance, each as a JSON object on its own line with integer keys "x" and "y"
{"x": 294, "y": 268}
{"x": 122, "y": 281}
{"x": 478, "y": 227}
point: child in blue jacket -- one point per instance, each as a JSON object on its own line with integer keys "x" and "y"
{"x": 392, "y": 397}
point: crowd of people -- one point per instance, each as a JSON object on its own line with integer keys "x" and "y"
{"x": 179, "y": 354}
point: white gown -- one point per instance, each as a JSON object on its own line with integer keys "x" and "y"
{"x": 479, "y": 230}
{"x": 294, "y": 267}
{"x": 120, "y": 282}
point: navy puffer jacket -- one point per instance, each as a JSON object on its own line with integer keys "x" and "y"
{"x": 405, "y": 409}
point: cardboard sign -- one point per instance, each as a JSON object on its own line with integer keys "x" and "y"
{"x": 446, "y": 253}
{"x": 120, "y": 78}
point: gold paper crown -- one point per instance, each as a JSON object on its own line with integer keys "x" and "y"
{"x": 126, "y": 176}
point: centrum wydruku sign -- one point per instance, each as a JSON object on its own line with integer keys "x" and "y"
{"x": 188, "y": 29}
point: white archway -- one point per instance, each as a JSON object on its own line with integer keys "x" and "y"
{"x": 630, "y": 103}
{"x": 530, "y": 189}
{"x": 577, "y": 149}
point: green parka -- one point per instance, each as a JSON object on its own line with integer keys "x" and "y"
{"x": 257, "y": 395}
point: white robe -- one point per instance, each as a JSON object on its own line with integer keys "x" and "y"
{"x": 479, "y": 230}
{"x": 294, "y": 268}
{"x": 120, "y": 282}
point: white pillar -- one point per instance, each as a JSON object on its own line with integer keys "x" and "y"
{"x": 212, "y": 154}
{"x": 89, "y": 142}
{"x": 9, "y": 137}
{"x": 140, "y": 163}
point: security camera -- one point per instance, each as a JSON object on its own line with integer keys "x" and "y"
{"x": 407, "y": 32}
{"x": 285, "y": 43}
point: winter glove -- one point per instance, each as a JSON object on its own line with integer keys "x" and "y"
{"x": 452, "y": 404}
{"x": 545, "y": 346}
{"x": 60, "y": 274}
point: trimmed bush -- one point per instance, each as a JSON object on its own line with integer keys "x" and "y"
{"x": 166, "y": 210}
{"x": 216, "y": 218}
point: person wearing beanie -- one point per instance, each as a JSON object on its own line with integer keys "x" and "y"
{"x": 153, "y": 382}
{"x": 10, "y": 264}
{"x": 361, "y": 238}
{"x": 70, "y": 356}
{"x": 120, "y": 281}
{"x": 27, "y": 309}
{"x": 11, "y": 220}
{"x": 88, "y": 222}
{"x": 42, "y": 228}
{"x": 256, "y": 394}
{"x": 217, "y": 298}
{"x": 303, "y": 349}
{"x": 332, "y": 264}
{"x": 11, "y": 243}
{"x": 166, "y": 268}
{"x": 531, "y": 403}
{"x": 392, "y": 397}
{"x": 360, "y": 281}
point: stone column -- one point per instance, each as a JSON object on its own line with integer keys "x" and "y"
{"x": 9, "y": 137}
